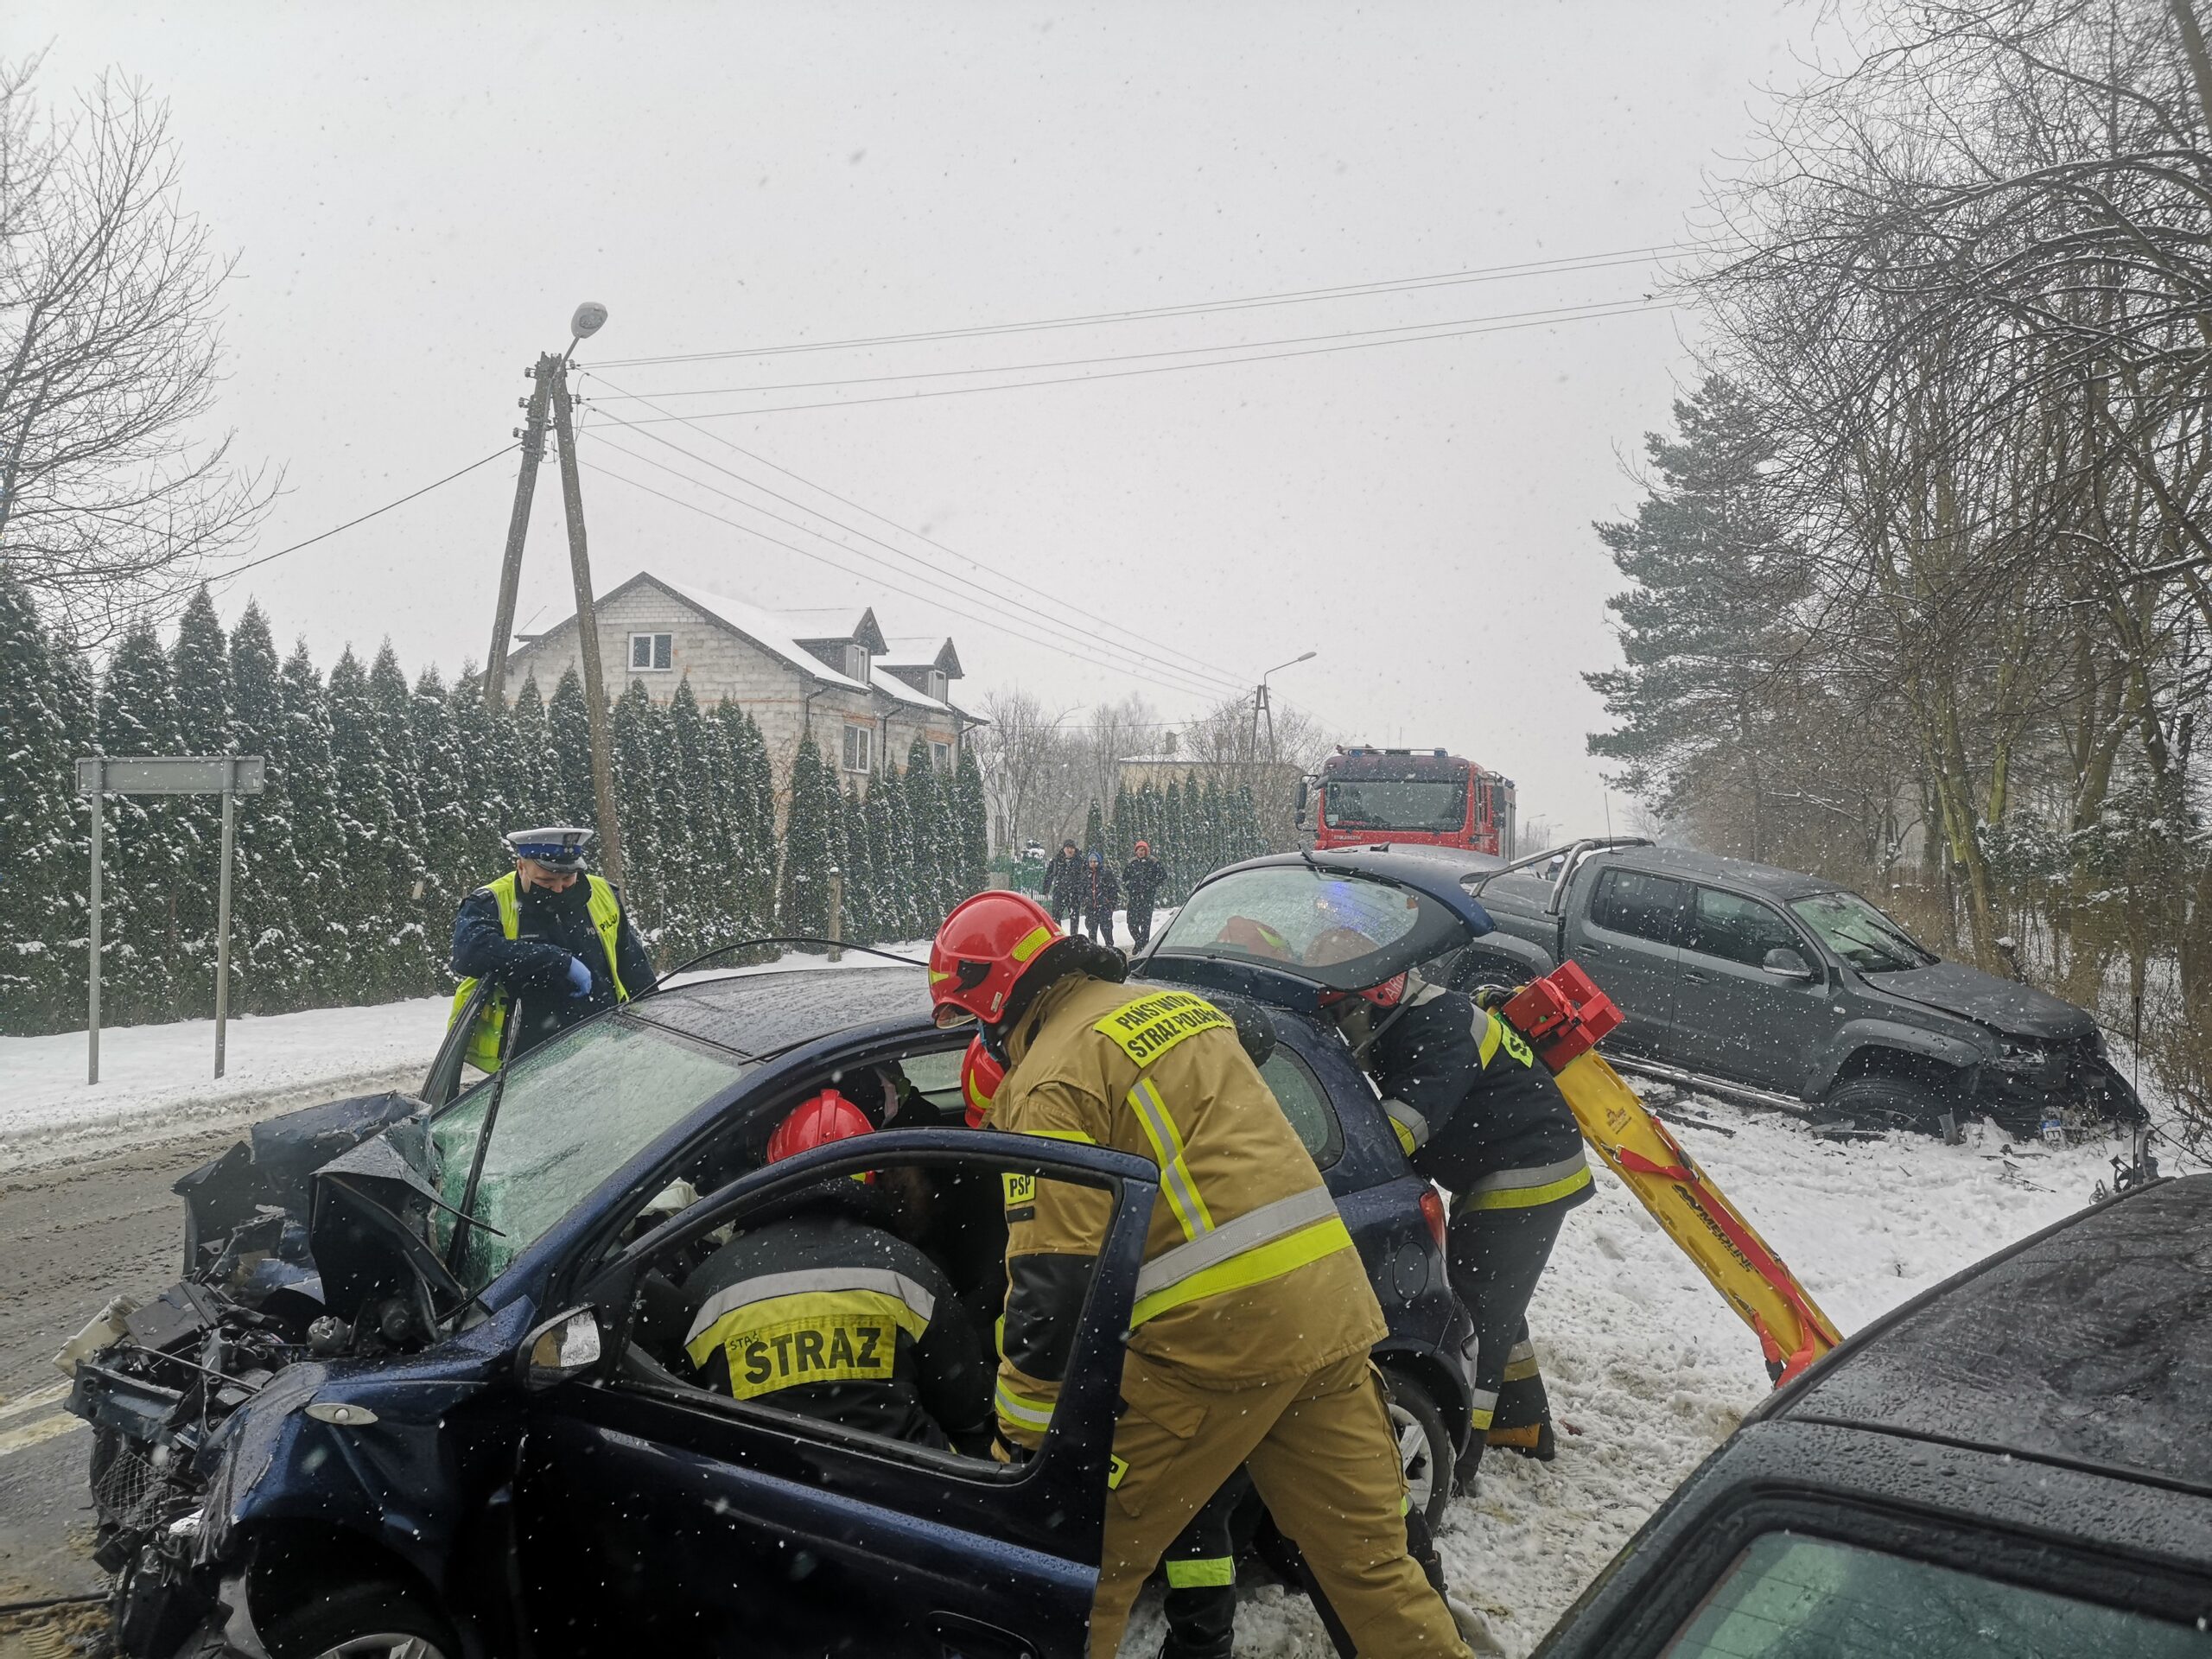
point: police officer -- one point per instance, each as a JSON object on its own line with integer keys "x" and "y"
{"x": 820, "y": 1307}
{"x": 1253, "y": 1316}
{"x": 1478, "y": 1116}
{"x": 553, "y": 941}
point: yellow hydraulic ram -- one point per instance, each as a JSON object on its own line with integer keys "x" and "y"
{"x": 1563, "y": 1015}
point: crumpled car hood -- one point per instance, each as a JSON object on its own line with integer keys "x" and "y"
{"x": 2015, "y": 1009}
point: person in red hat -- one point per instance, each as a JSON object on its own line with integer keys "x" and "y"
{"x": 1141, "y": 879}
{"x": 820, "y": 1307}
{"x": 1253, "y": 1317}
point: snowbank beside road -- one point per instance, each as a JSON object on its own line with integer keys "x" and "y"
{"x": 153, "y": 1077}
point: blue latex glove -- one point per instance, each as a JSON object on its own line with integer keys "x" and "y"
{"x": 579, "y": 978}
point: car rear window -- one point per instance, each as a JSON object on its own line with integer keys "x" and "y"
{"x": 1790, "y": 1596}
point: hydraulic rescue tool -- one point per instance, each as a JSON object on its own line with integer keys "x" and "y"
{"x": 1562, "y": 1015}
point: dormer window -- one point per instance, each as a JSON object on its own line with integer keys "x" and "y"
{"x": 940, "y": 687}
{"x": 857, "y": 663}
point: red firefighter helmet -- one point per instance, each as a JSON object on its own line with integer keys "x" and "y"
{"x": 1254, "y": 939}
{"x": 826, "y": 1117}
{"x": 985, "y": 945}
{"x": 980, "y": 1076}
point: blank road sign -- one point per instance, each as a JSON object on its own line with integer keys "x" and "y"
{"x": 171, "y": 774}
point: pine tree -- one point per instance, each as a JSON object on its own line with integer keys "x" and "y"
{"x": 379, "y": 868}
{"x": 567, "y": 722}
{"x": 687, "y": 803}
{"x": 754, "y": 829}
{"x": 1119, "y": 833}
{"x": 935, "y": 854}
{"x": 137, "y": 715}
{"x": 494, "y": 762}
{"x": 636, "y": 762}
{"x": 876, "y": 823}
{"x": 394, "y": 707}
{"x": 720, "y": 858}
{"x": 533, "y": 792}
{"x": 327, "y": 905}
{"x": 973, "y": 826}
{"x": 449, "y": 838}
{"x": 863, "y": 911}
{"x": 36, "y": 777}
{"x": 903, "y": 901}
{"x": 802, "y": 906}
{"x": 199, "y": 671}
{"x": 268, "y": 968}
{"x": 1094, "y": 829}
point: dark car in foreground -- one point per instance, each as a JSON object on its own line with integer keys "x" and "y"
{"x": 421, "y": 1383}
{"x": 1781, "y": 989}
{"x": 2015, "y": 1465}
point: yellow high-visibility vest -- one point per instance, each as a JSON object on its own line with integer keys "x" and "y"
{"x": 605, "y": 913}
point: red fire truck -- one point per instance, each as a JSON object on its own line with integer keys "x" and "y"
{"x": 1412, "y": 797}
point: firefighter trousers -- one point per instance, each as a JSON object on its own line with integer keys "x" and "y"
{"x": 1319, "y": 1449}
{"x": 1496, "y": 1258}
{"x": 1200, "y": 1604}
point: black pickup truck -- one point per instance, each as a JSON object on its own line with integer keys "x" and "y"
{"x": 1782, "y": 989}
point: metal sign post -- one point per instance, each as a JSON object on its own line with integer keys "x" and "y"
{"x": 227, "y": 775}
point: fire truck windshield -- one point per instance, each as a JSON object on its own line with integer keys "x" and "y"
{"x": 1430, "y": 805}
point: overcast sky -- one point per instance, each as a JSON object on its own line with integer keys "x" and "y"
{"x": 421, "y": 196}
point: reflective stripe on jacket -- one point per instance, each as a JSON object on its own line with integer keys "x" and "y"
{"x": 1250, "y": 1273}
{"x": 486, "y": 1036}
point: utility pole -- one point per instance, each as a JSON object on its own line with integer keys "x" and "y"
{"x": 532, "y": 434}
{"x": 572, "y": 498}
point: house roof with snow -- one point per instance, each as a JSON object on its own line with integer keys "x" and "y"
{"x": 791, "y": 636}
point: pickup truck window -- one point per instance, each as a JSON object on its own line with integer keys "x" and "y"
{"x": 1736, "y": 929}
{"x": 1790, "y": 1595}
{"x": 1643, "y": 906}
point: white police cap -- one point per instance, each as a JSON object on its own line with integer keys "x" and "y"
{"x": 559, "y": 847}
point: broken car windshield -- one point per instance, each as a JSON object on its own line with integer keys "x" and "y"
{"x": 575, "y": 1110}
{"x": 1860, "y": 934}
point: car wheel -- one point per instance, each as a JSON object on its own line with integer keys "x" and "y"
{"x": 1424, "y": 1447}
{"x": 1890, "y": 1103}
{"x": 363, "y": 1621}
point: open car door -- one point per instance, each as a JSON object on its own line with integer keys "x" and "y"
{"x": 654, "y": 1516}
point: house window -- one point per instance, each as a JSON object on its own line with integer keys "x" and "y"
{"x": 941, "y": 756}
{"x": 857, "y": 663}
{"x": 858, "y": 747}
{"x": 940, "y": 687}
{"x": 649, "y": 650}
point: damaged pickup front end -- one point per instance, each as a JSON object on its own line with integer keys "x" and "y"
{"x": 260, "y": 1415}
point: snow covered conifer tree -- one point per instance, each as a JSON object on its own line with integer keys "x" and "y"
{"x": 1119, "y": 835}
{"x": 876, "y": 824}
{"x": 903, "y": 899}
{"x": 802, "y": 906}
{"x": 137, "y": 715}
{"x": 934, "y": 853}
{"x": 441, "y": 774}
{"x": 379, "y": 870}
{"x": 754, "y": 831}
{"x": 567, "y": 722}
{"x": 201, "y": 673}
{"x": 77, "y": 697}
{"x": 687, "y": 801}
{"x": 637, "y": 764}
{"x": 493, "y": 799}
{"x": 268, "y": 968}
{"x": 972, "y": 826}
{"x": 36, "y": 777}
{"x": 1094, "y": 829}
{"x": 393, "y": 706}
{"x": 326, "y": 905}
{"x": 863, "y": 922}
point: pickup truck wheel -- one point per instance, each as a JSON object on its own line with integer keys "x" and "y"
{"x": 1890, "y": 1103}
{"x": 363, "y": 1621}
{"x": 1424, "y": 1447}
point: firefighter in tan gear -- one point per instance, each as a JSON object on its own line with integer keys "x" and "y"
{"x": 1253, "y": 1318}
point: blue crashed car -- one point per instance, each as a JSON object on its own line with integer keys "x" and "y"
{"x": 419, "y": 1385}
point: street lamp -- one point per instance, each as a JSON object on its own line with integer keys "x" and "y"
{"x": 1262, "y": 706}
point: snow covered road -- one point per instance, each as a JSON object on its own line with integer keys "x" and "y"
{"x": 1648, "y": 1370}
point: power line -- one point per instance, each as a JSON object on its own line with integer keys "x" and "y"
{"x": 1201, "y": 672}
{"x": 1623, "y": 310}
{"x": 240, "y": 569}
{"x": 1565, "y": 311}
{"x": 1565, "y": 265}
{"x": 1206, "y": 670}
{"x": 939, "y": 601}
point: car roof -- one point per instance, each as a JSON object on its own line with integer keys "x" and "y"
{"x": 762, "y": 1015}
{"x": 2089, "y": 1345}
{"x": 1711, "y": 867}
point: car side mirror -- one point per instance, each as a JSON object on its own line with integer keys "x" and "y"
{"x": 1302, "y": 797}
{"x": 562, "y": 1348}
{"x": 1784, "y": 963}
